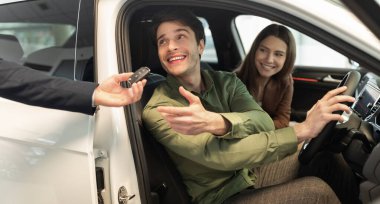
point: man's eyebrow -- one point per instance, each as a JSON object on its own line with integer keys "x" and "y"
{"x": 176, "y": 31}
{"x": 182, "y": 29}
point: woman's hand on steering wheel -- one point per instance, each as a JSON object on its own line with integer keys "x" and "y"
{"x": 322, "y": 117}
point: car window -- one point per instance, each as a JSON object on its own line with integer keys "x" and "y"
{"x": 50, "y": 43}
{"x": 37, "y": 36}
{"x": 209, "y": 54}
{"x": 248, "y": 27}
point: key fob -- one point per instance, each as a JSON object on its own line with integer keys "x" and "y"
{"x": 138, "y": 75}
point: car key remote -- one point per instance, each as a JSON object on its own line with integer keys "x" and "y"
{"x": 138, "y": 75}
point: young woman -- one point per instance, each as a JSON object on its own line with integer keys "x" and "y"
{"x": 266, "y": 71}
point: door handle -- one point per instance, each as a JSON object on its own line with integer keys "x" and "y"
{"x": 329, "y": 78}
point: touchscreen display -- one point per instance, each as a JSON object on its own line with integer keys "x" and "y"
{"x": 366, "y": 100}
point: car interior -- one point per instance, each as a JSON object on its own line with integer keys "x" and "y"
{"x": 166, "y": 187}
{"x": 64, "y": 48}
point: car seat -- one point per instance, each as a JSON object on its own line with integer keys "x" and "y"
{"x": 10, "y": 48}
{"x": 164, "y": 179}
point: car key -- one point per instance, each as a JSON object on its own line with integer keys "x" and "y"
{"x": 138, "y": 75}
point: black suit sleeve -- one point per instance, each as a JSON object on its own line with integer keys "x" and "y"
{"x": 31, "y": 87}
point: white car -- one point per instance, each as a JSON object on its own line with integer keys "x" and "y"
{"x": 52, "y": 156}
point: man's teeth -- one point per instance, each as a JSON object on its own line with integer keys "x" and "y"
{"x": 176, "y": 58}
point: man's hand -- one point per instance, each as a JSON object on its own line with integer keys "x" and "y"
{"x": 111, "y": 93}
{"x": 322, "y": 113}
{"x": 193, "y": 119}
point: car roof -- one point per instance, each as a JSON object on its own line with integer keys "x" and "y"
{"x": 367, "y": 12}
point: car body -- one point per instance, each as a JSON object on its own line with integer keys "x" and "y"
{"x": 53, "y": 156}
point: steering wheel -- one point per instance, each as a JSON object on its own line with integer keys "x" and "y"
{"x": 311, "y": 147}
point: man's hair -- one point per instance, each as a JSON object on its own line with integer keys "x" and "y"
{"x": 183, "y": 16}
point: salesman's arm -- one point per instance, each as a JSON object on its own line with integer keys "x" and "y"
{"x": 31, "y": 87}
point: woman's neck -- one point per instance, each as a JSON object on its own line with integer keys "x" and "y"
{"x": 263, "y": 81}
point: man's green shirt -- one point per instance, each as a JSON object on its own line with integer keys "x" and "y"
{"x": 214, "y": 168}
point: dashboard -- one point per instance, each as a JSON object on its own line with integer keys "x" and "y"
{"x": 359, "y": 135}
{"x": 367, "y": 105}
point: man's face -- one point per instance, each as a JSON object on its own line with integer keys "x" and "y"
{"x": 178, "y": 49}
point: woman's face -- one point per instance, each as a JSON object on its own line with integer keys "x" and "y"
{"x": 270, "y": 56}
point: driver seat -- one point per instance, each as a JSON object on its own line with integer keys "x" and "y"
{"x": 165, "y": 182}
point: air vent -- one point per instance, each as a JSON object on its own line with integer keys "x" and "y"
{"x": 374, "y": 107}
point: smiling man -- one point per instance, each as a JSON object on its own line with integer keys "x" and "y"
{"x": 216, "y": 134}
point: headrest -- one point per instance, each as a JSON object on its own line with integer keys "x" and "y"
{"x": 10, "y": 48}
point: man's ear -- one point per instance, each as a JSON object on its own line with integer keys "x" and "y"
{"x": 201, "y": 46}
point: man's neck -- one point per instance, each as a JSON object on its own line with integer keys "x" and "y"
{"x": 192, "y": 82}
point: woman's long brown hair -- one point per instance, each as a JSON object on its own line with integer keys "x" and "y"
{"x": 248, "y": 73}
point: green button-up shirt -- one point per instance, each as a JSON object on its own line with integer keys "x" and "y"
{"x": 214, "y": 168}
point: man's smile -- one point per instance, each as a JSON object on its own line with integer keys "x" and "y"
{"x": 175, "y": 59}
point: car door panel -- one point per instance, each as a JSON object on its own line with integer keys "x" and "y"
{"x": 45, "y": 155}
{"x": 310, "y": 85}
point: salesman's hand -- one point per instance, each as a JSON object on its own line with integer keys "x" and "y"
{"x": 193, "y": 119}
{"x": 111, "y": 93}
